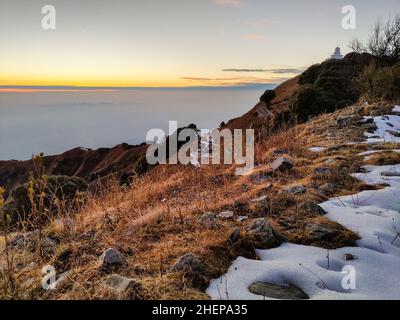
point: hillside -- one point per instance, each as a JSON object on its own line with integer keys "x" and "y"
{"x": 322, "y": 196}
{"x": 160, "y": 237}
{"x": 91, "y": 165}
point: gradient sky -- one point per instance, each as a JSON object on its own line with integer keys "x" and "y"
{"x": 174, "y": 42}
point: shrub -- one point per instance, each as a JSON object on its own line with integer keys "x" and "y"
{"x": 380, "y": 83}
{"x": 40, "y": 200}
{"x": 268, "y": 96}
{"x": 309, "y": 101}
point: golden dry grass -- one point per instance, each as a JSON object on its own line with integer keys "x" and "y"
{"x": 157, "y": 219}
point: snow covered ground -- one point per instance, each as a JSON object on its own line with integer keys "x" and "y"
{"x": 375, "y": 271}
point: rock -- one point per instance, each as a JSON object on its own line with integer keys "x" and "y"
{"x": 121, "y": 284}
{"x": 347, "y": 120}
{"x": 30, "y": 241}
{"x": 242, "y": 218}
{"x": 282, "y": 164}
{"x": 226, "y": 215}
{"x": 263, "y": 232}
{"x": 327, "y": 189}
{"x": 390, "y": 174}
{"x": 111, "y": 258}
{"x": 319, "y": 232}
{"x": 209, "y": 220}
{"x": 234, "y": 237}
{"x": 275, "y": 291}
{"x": 370, "y": 127}
{"x": 280, "y": 151}
{"x": 348, "y": 257}
{"x": 294, "y": 190}
{"x": 312, "y": 208}
{"x": 18, "y": 241}
{"x": 394, "y": 133}
{"x": 324, "y": 171}
{"x": 187, "y": 263}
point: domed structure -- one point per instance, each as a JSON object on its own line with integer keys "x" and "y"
{"x": 337, "y": 55}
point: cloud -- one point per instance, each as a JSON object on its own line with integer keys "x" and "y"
{"x": 244, "y": 70}
{"x": 274, "y": 71}
{"x": 253, "y": 36}
{"x": 232, "y": 3}
{"x": 232, "y": 81}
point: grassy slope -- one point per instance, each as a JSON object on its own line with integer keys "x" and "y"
{"x": 156, "y": 221}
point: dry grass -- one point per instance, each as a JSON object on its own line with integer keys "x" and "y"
{"x": 157, "y": 219}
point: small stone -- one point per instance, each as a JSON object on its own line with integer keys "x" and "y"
{"x": 320, "y": 232}
{"x": 312, "y": 207}
{"x": 226, "y": 215}
{"x": 111, "y": 258}
{"x": 209, "y": 220}
{"x": 187, "y": 263}
{"x": 121, "y": 284}
{"x": 234, "y": 237}
{"x": 282, "y": 164}
{"x": 275, "y": 291}
{"x": 348, "y": 120}
{"x": 263, "y": 232}
{"x": 348, "y": 257}
{"x": 280, "y": 151}
{"x": 370, "y": 127}
{"x": 295, "y": 190}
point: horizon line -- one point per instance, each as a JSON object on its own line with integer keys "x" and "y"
{"x": 69, "y": 88}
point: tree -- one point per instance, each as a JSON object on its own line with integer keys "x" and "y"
{"x": 268, "y": 96}
{"x": 383, "y": 42}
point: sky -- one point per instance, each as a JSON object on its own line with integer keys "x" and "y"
{"x": 174, "y": 43}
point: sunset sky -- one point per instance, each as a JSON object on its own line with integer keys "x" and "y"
{"x": 167, "y": 43}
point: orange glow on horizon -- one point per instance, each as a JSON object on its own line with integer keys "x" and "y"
{"x": 23, "y": 90}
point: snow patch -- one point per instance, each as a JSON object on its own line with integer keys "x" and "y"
{"x": 373, "y": 214}
{"x": 317, "y": 149}
{"x": 386, "y": 124}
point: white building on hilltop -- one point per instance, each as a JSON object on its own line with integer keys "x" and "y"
{"x": 337, "y": 55}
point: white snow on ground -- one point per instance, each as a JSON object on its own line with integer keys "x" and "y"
{"x": 374, "y": 215}
{"x": 367, "y": 153}
{"x": 385, "y": 125}
{"x": 396, "y": 109}
{"x": 317, "y": 149}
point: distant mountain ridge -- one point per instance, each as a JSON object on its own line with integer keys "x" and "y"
{"x": 91, "y": 165}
